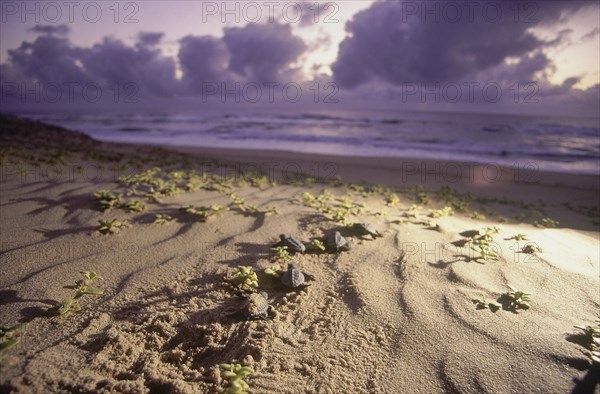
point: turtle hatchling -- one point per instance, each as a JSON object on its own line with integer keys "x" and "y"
{"x": 336, "y": 242}
{"x": 293, "y": 277}
{"x": 366, "y": 229}
{"x": 256, "y": 306}
{"x": 292, "y": 243}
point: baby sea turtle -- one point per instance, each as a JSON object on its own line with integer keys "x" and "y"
{"x": 256, "y": 306}
{"x": 292, "y": 243}
{"x": 366, "y": 229}
{"x": 293, "y": 277}
{"x": 336, "y": 242}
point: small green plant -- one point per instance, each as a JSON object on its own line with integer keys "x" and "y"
{"x": 107, "y": 199}
{"x": 438, "y": 213}
{"x": 281, "y": 253}
{"x": 202, "y": 214}
{"x": 317, "y": 244}
{"x": 480, "y": 242}
{"x": 111, "y": 226}
{"x": 135, "y": 206}
{"x": 162, "y": 219}
{"x": 65, "y": 306}
{"x": 82, "y": 286}
{"x": 271, "y": 211}
{"x": 483, "y": 304}
{"x": 234, "y": 375}
{"x": 392, "y": 200}
{"x": 8, "y": 337}
{"x": 515, "y": 299}
{"x": 309, "y": 200}
{"x": 546, "y": 223}
{"x": 274, "y": 270}
{"x": 245, "y": 278}
{"x": 518, "y": 237}
{"x": 591, "y": 340}
{"x": 531, "y": 249}
{"x": 477, "y": 216}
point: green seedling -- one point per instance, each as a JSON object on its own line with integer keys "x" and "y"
{"x": 271, "y": 211}
{"x": 135, "y": 206}
{"x": 108, "y": 200}
{"x": 202, "y": 214}
{"x": 317, "y": 244}
{"x": 67, "y": 305}
{"x": 309, "y": 200}
{"x": 483, "y": 304}
{"x": 245, "y": 278}
{"x": 518, "y": 237}
{"x": 82, "y": 286}
{"x": 111, "y": 226}
{"x": 516, "y": 299}
{"x": 217, "y": 209}
{"x": 439, "y": 213}
{"x": 531, "y": 249}
{"x": 235, "y": 374}
{"x": 8, "y": 337}
{"x": 274, "y": 270}
{"x": 546, "y": 223}
{"x": 591, "y": 340}
{"x": 483, "y": 248}
{"x": 392, "y": 200}
{"x": 281, "y": 253}
{"x": 161, "y": 219}
{"x": 480, "y": 242}
{"x": 477, "y": 216}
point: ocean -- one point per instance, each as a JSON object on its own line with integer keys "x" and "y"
{"x": 562, "y": 144}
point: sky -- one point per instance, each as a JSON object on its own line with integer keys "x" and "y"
{"x": 490, "y": 56}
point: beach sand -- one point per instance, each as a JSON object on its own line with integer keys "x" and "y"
{"x": 393, "y": 314}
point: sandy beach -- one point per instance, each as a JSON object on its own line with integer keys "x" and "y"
{"x": 423, "y": 306}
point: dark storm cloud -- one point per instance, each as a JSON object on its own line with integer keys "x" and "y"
{"x": 202, "y": 59}
{"x": 396, "y": 44}
{"x": 51, "y": 30}
{"x": 54, "y": 60}
{"x": 262, "y": 53}
{"x": 254, "y": 53}
{"x": 48, "y": 59}
{"x": 116, "y": 64}
{"x": 150, "y": 38}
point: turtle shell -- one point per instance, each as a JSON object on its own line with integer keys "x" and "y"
{"x": 293, "y": 277}
{"x": 367, "y": 229}
{"x": 292, "y": 243}
{"x": 256, "y": 306}
{"x": 337, "y": 242}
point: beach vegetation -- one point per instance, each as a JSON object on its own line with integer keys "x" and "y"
{"x": 234, "y": 375}
{"x": 9, "y": 337}
{"x": 481, "y": 303}
{"x": 531, "y": 249}
{"x": 281, "y": 253}
{"x": 546, "y": 223}
{"x": 107, "y": 199}
{"x": 590, "y": 339}
{"x": 111, "y": 226}
{"x": 439, "y": 213}
{"x": 65, "y": 306}
{"x": 162, "y": 218}
{"x": 518, "y": 237}
{"x": 83, "y": 286}
{"x": 274, "y": 270}
{"x": 317, "y": 245}
{"x": 135, "y": 206}
{"x": 515, "y": 299}
{"x": 245, "y": 278}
